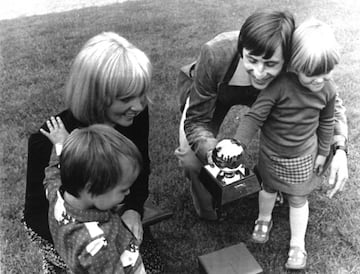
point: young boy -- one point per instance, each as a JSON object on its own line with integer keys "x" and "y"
{"x": 296, "y": 117}
{"x": 97, "y": 167}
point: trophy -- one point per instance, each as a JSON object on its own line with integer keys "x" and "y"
{"x": 228, "y": 159}
{"x": 228, "y": 179}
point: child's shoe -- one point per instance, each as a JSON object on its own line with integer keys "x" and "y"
{"x": 261, "y": 231}
{"x": 297, "y": 258}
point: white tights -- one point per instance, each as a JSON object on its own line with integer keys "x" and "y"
{"x": 298, "y": 216}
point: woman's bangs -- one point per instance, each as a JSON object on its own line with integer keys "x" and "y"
{"x": 128, "y": 77}
{"x": 131, "y": 85}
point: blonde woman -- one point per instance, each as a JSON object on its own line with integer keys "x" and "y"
{"x": 109, "y": 83}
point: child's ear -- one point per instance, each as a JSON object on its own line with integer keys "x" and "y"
{"x": 86, "y": 195}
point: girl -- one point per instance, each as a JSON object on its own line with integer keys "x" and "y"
{"x": 296, "y": 117}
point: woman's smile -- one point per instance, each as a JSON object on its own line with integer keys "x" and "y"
{"x": 123, "y": 112}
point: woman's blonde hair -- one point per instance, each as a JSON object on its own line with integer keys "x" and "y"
{"x": 315, "y": 50}
{"x": 107, "y": 67}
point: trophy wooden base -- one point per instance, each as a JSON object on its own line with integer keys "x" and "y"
{"x": 235, "y": 259}
{"x": 223, "y": 193}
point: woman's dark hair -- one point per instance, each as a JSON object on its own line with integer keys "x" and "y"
{"x": 264, "y": 31}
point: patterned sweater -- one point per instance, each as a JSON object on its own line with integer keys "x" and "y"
{"x": 90, "y": 241}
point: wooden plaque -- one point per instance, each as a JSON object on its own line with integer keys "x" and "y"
{"x": 235, "y": 259}
{"x": 225, "y": 193}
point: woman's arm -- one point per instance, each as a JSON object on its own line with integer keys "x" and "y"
{"x": 138, "y": 133}
{"x": 36, "y": 204}
{"x": 39, "y": 151}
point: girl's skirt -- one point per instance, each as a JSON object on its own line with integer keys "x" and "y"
{"x": 286, "y": 172}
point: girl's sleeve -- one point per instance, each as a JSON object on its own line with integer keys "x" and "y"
{"x": 254, "y": 119}
{"x": 52, "y": 174}
{"x": 326, "y": 127}
{"x": 203, "y": 96}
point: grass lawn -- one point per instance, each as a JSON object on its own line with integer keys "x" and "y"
{"x": 36, "y": 53}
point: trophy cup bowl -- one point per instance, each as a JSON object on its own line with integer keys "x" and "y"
{"x": 228, "y": 157}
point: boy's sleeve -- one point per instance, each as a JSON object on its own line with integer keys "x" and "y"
{"x": 102, "y": 262}
{"x": 103, "y": 252}
{"x": 105, "y": 262}
{"x": 52, "y": 174}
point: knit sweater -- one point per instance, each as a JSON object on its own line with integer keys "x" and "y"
{"x": 289, "y": 115}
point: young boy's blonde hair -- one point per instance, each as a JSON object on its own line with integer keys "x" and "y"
{"x": 108, "y": 67}
{"x": 93, "y": 159}
{"x": 315, "y": 50}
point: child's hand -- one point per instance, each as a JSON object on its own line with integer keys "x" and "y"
{"x": 57, "y": 132}
{"x": 319, "y": 164}
{"x": 133, "y": 221}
